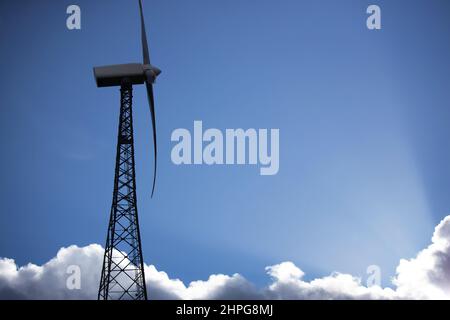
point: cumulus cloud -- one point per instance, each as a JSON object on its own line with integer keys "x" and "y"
{"x": 49, "y": 280}
{"x": 427, "y": 276}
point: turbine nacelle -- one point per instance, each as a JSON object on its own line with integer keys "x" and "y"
{"x": 136, "y": 73}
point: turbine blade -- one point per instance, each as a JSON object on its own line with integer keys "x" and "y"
{"x": 151, "y": 103}
{"x": 145, "y": 52}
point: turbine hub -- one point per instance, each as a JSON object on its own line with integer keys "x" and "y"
{"x": 151, "y": 72}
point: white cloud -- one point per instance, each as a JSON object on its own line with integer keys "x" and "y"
{"x": 427, "y": 276}
{"x": 49, "y": 280}
{"x": 288, "y": 284}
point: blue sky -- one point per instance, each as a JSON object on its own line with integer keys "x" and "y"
{"x": 363, "y": 118}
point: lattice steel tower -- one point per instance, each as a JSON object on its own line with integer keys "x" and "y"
{"x": 123, "y": 269}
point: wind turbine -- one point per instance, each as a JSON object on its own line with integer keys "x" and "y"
{"x": 123, "y": 267}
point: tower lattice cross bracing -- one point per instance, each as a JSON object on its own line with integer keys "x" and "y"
{"x": 123, "y": 270}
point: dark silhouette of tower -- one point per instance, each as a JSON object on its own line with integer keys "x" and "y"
{"x": 123, "y": 268}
